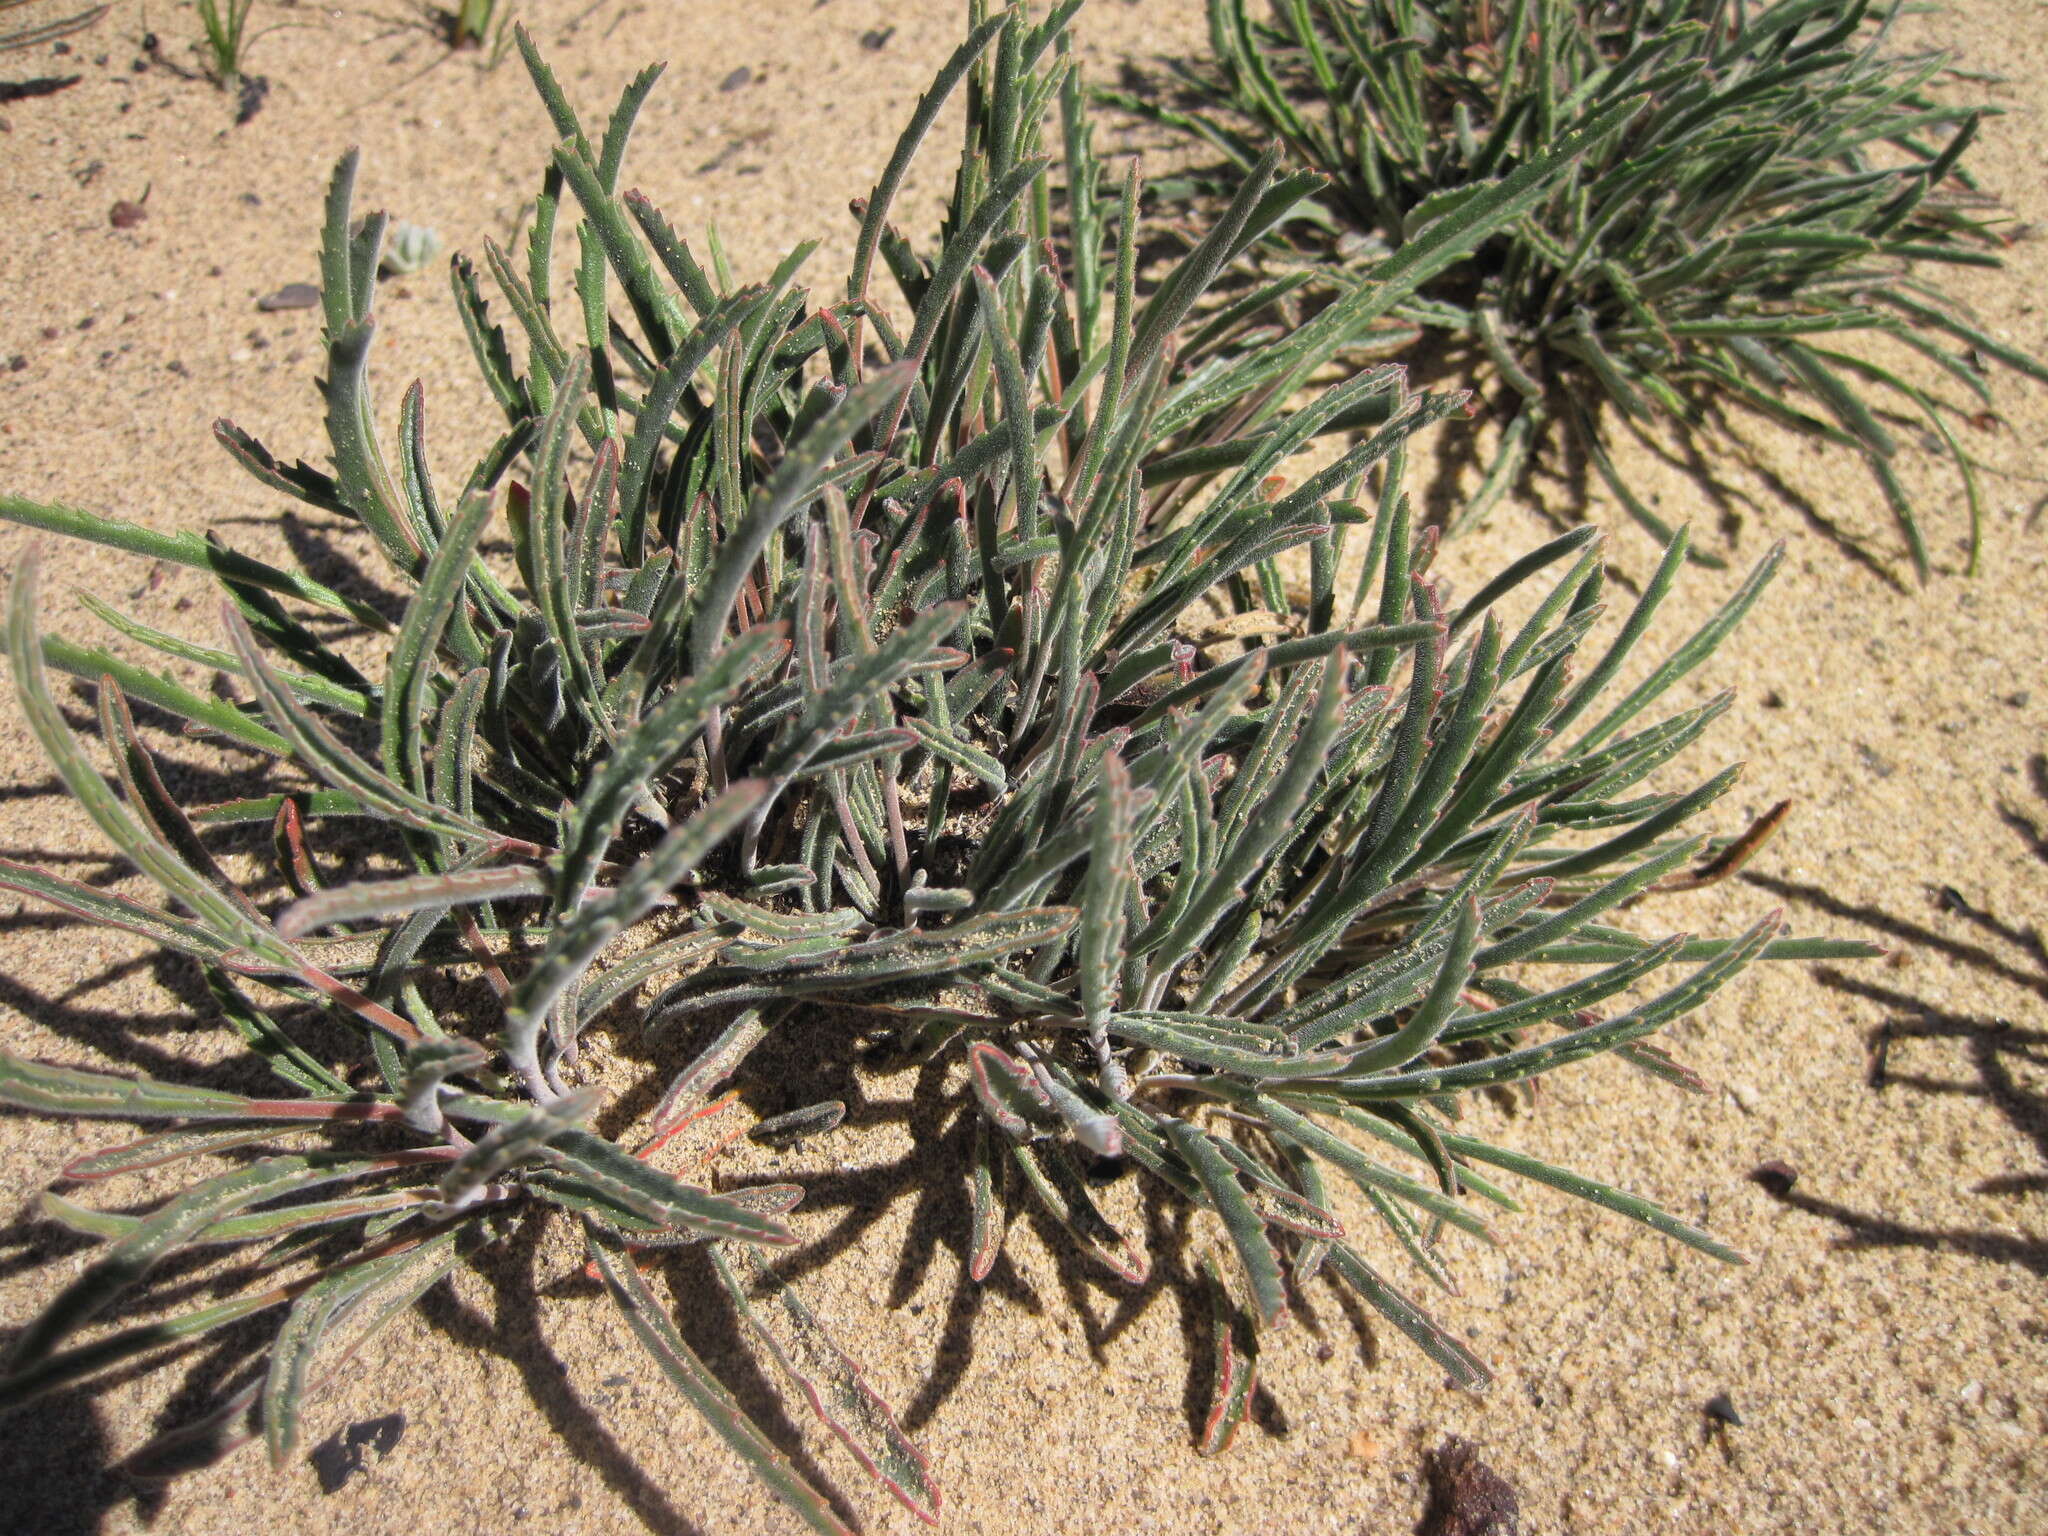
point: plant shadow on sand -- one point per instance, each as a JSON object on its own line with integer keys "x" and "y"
{"x": 78, "y": 1478}
{"x": 1999, "y": 1060}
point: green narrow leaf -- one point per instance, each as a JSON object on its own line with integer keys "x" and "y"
{"x": 1236, "y": 1369}
{"x": 1465, "y": 1368}
{"x": 829, "y": 1379}
{"x": 1247, "y": 1232}
{"x": 651, "y": 1325}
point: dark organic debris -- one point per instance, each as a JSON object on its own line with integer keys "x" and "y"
{"x": 1721, "y": 1409}
{"x": 1777, "y": 1178}
{"x": 255, "y": 88}
{"x": 290, "y": 296}
{"x": 46, "y": 85}
{"x": 1466, "y": 1496}
{"x": 340, "y": 1456}
{"x": 878, "y": 39}
{"x": 1949, "y": 899}
{"x": 1881, "y": 1057}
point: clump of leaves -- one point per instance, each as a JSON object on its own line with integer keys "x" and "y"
{"x": 224, "y": 25}
{"x": 473, "y": 23}
{"x": 920, "y": 666}
{"x": 1775, "y": 197}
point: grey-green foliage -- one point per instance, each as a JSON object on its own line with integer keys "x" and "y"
{"x": 845, "y": 667}
{"x": 1782, "y": 192}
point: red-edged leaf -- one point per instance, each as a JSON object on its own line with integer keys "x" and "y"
{"x": 1010, "y": 1092}
{"x": 830, "y": 1380}
{"x": 985, "y": 1189}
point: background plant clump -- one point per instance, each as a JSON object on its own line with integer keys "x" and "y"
{"x": 1783, "y": 196}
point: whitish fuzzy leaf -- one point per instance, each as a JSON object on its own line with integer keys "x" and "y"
{"x": 1601, "y": 1194}
{"x": 576, "y": 942}
{"x": 1236, "y": 1376}
{"x": 111, "y": 910}
{"x": 161, "y": 1147}
{"x": 123, "y": 1265}
{"x": 1009, "y": 1091}
{"x": 68, "y": 1091}
{"x": 318, "y": 748}
{"x": 655, "y": 1195}
{"x": 795, "y": 1124}
{"x": 409, "y": 893}
{"x": 185, "y": 549}
{"x": 985, "y": 1198}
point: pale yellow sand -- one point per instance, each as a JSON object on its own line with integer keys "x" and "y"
{"x": 1888, "y": 1350}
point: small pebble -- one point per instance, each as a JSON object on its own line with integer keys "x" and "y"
{"x": 739, "y": 79}
{"x": 290, "y": 296}
{"x": 126, "y": 215}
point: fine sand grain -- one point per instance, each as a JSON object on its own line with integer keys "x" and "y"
{"x": 1888, "y": 1349}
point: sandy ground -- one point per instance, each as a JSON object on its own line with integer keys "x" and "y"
{"x": 1887, "y": 1352}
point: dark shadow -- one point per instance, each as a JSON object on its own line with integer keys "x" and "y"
{"x": 515, "y": 1334}
{"x": 1976, "y": 956}
{"x": 60, "y": 1481}
{"x": 324, "y": 551}
{"x": 2027, "y": 824}
{"x": 62, "y": 1474}
{"x": 2001, "y": 1060}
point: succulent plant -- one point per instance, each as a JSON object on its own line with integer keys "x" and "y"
{"x": 1771, "y": 204}
{"x": 407, "y": 249}
{"x": 958, "y": 672}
